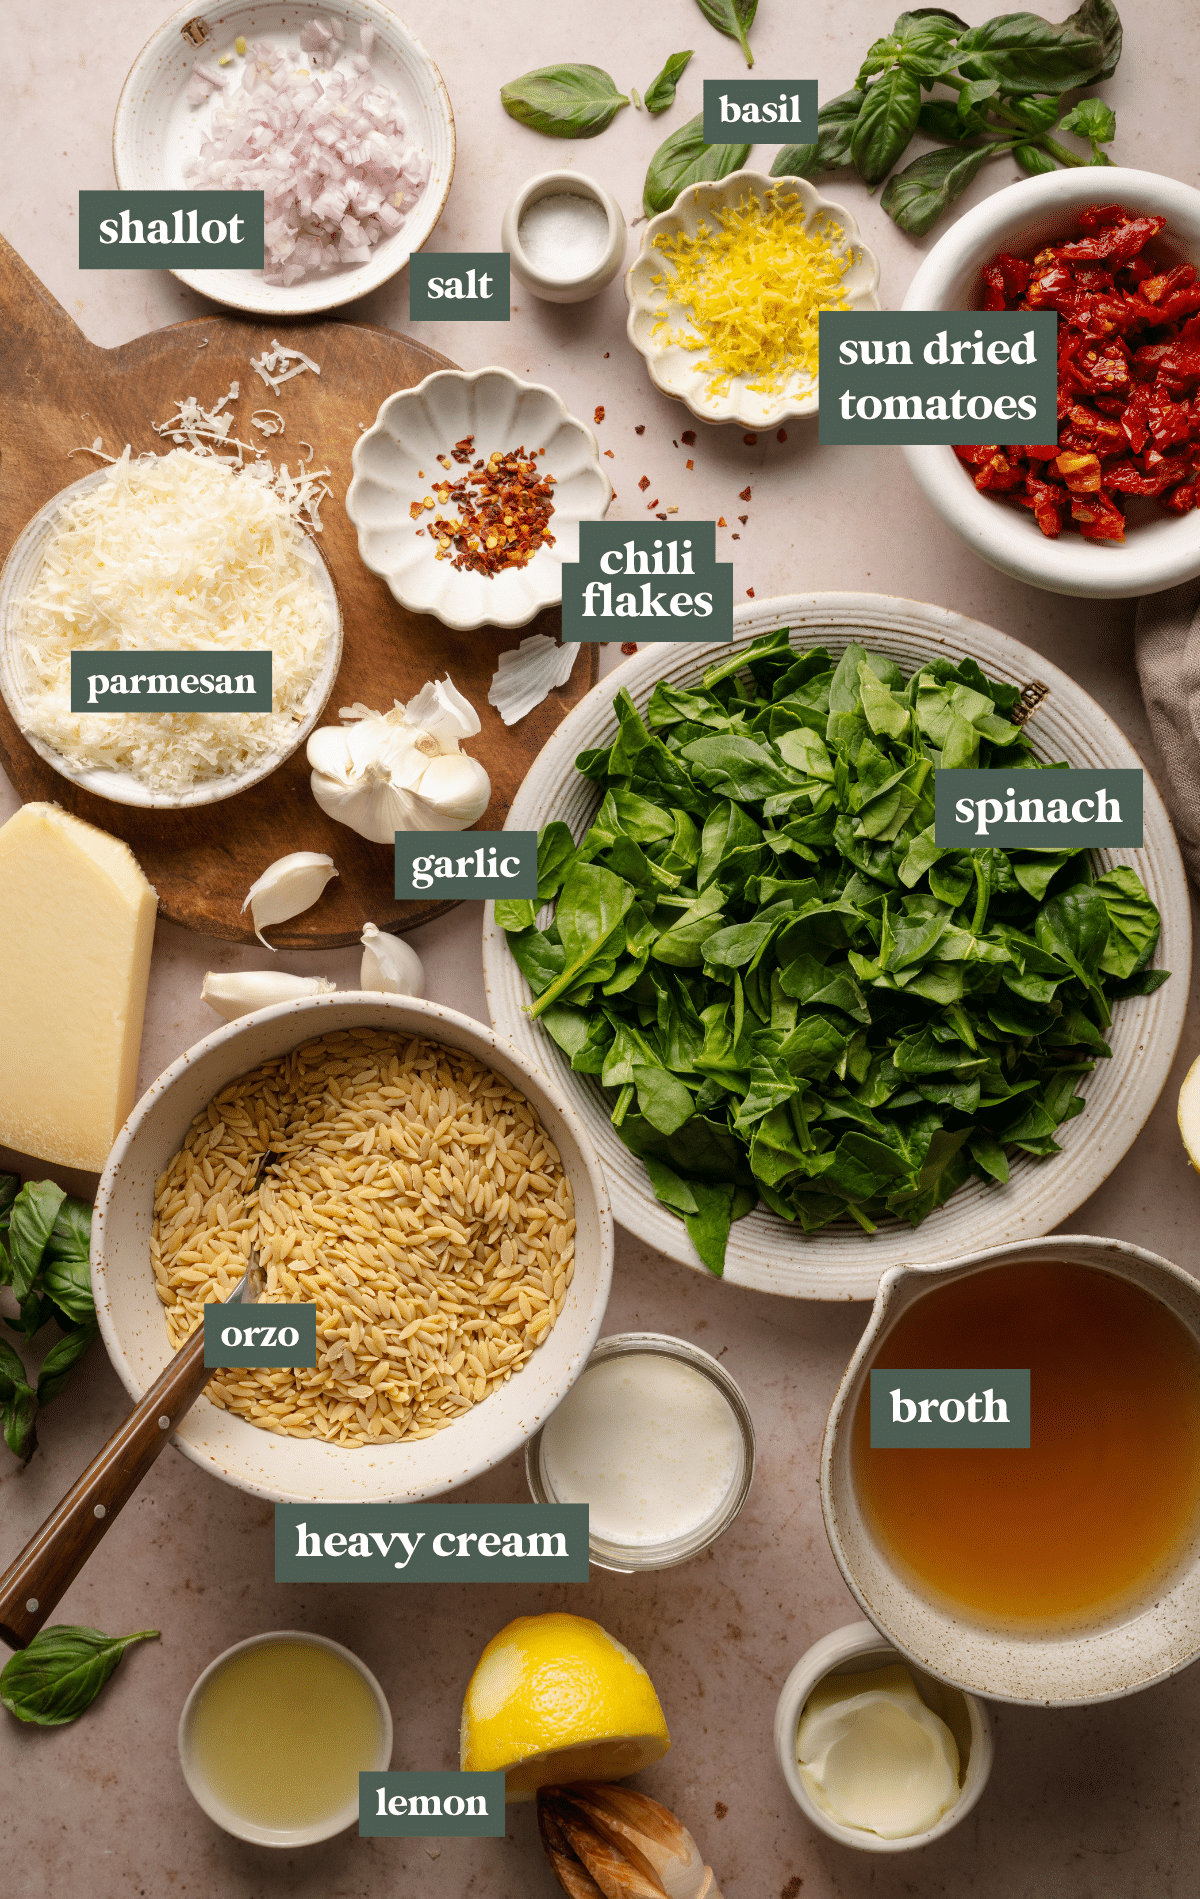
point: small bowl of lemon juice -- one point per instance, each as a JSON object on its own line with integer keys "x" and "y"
{"x": 275, "y": 1733}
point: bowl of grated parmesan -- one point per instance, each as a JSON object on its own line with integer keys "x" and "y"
{"x": 727, "y": 288}
{"x": 167, "y": 554}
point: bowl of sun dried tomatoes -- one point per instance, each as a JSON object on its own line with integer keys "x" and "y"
{"x": 1112, "y": 508}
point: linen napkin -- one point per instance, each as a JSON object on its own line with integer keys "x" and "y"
{"x": 1167, "y": 650}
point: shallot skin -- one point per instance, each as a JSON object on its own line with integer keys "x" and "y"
{"x": 328, "y": 150}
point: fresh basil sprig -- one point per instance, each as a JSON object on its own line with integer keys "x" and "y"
{"x": 45, "y": 1239}
{"x": 564, "y": 101}
{"x": 1006, "y": 79}
{"x": 682, "y": 159}
{"x": 59, "y": 1675}
{"x": 661, "y": 92}
{"x": 734, "y": 18}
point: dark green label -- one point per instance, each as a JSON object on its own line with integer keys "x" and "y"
{"x": 170, "y": 230}
{"x": 787, "y": 107}
{"x": 1037, "y": 810}
{"x": 170, "y": 682}
{"x": 256, "y": 1335}
{"x": 643, "y": 580}
{"x": 431, "y": 1542}
{"x": 458, "y": 286}
{"x": 466, "y": 864}
{"x": 431, "y": 1806}
{"x": 950, "y": 1410}
{"x": 912, "y": 376}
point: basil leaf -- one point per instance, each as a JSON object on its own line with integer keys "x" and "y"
{"x": 61, "y": 1672}
{"x": 564, "y": 101}
{"x": 940, "y": 118}
{"x": 684, "y": 159}
{"x": 66, "y": 1263}
{"x": 1029, "y": 54}
{"x": 34, "y": 1212}
{"x": 1033, "y": 159}
{"x": 916, "y": 197}
{"x": 1091, "y": 119}
{"x": 61, "y": 1360}
{"x": 734, "y": 18}
{"x": 835, "y": 128}
{"x": 885, "y": 124}
{"x": 661, "y": 93}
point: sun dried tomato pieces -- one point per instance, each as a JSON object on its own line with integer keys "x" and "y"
{"x": 1128, "y": 378}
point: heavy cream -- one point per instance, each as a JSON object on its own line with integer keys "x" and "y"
{"x": 873, "y": 1756}
{"x": 649, "y": 1442}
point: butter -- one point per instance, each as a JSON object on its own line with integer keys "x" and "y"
{"x": 76, "y": 931}
{"x": 873, "y": 1756}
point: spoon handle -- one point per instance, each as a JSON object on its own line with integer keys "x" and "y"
{"x": 36, "y": 1580}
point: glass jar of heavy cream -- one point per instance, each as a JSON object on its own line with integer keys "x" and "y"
{"x": 656, "y": 1438}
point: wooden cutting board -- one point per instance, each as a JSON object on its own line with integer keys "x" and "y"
{"x": 58, "y": 391}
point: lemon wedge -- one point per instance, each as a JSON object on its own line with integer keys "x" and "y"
{"x": 555, "y": 1698}
{"x": 1189, "y": 1114}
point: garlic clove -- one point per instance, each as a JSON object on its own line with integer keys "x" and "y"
{"x": 390, "y": 964}
{"x": 288, "y": 886}
{"x": 328, "y": 751}
{"x": 458, "y": 788}
{"x": 236, "y": 992}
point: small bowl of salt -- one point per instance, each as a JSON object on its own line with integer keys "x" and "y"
{"x": 565, "y": 236}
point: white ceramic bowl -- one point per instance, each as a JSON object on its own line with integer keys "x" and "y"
{"x": 228, "y": 1817}
{"x": 156, "y": 131}
{"x": 851, "y": 1651}
{"x": 1097, "y": 1661}
{"x": 302, "y": 1470}
{"x": 18, "y": 575}
{"x": 551, "y": 184}
{"x": 395, "y": 464}
{"x": 677, "y": 371}
{"x": 841, "y": 1262}
{"x": 1160, "y": 550}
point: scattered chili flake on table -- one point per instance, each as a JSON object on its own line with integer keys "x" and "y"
{"x": 691, "y": 464}
{"x": 781, "y": 435}
{"x": 599, "y": 415}
{"x": 750, "y": 440}
{"x": 744, "y": 494}
{"x": 504, "y": 507}
{"x": 720, "y": 520}
{"x": 629, "y": 646}
{"x": 640, "y": 428}
{"x": 743, "y": 518}
{"x": 651, "y": 505}
{"x": 1128, "y": 361}
{"x": 749, "y": 593}
{"x": 609, "y": 453}
{"x": 644, "y": 483}
{"x": 689, "y": 436}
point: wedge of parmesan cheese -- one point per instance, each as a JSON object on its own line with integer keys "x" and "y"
{"x": 76, "y": 931}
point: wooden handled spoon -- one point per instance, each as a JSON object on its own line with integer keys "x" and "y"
{"x": 35, "y": 1582}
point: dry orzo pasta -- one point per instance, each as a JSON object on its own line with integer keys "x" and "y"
{"x": 410, "y": 1192}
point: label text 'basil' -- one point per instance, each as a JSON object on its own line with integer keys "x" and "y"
{"x": 920, "y": 376}
{"x": 730, "y": 105}
{"x": 455, "y": 1542}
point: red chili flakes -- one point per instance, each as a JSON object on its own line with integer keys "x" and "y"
{"x": 504, "y": 508}
{"x": 743, "y": 518}
{"x": 644, "y": 483}
{"x": 720, "y": 520}
{"x": 744, "y": 495}
{"x": 781, "y": 435}
{"x": 599, "y": 415}
{"x": 691, "y": 464}
{"x": 674, "y": 444}
{"x": 735, "y": 536}
{"x": 749, "y": 593}
{"x": 660, "y": 517}
{"x": 651, "y": 505}
{"x": 689, "y": 436}
{"x": 1128, "y": 379}
{"x": 640, "y": 428}
{"x": 610, "y": 454}
{"x": 628, "y": 646}
{"x": 606, "y": 355}
{"x": 749, "y": 440}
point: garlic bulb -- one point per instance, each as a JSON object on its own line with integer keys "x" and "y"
{"x": 383, "y": 772}
{"x": 288, "y": 886}
{"x": 235, "y": 992}
{"x": 604, "y": 1838}
{"x": 390, "y": 964}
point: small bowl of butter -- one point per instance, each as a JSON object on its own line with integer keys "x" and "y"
{"x": 875, "y": 1752}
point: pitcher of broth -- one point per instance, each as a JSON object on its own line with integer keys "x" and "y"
{"x": 1063, "y": 1570}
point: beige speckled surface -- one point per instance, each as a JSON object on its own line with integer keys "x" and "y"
{"x": 1091, "y": 1803}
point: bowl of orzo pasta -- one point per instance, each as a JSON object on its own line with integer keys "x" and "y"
{"x": 400, "y": 1167}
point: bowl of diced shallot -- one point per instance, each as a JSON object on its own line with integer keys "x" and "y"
{"x": 337, "y": 115}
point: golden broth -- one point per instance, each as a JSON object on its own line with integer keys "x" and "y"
{"x": 1107, "y": 1494}
{"x": 281, "y": 1732}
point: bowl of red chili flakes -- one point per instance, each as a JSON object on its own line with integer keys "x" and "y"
{"x": 1113, "y": 508}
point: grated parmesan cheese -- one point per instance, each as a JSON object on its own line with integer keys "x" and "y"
{"x": 754, "y": 288}
{"x": 175, "y": 552}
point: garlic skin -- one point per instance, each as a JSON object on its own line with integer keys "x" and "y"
{"x": 599, "y": 1837}
{"x": 236, "y": 992}
{"x": 383, "y": 772}
{"x": 288, "y": 886}
{"x": 390, "y": 964}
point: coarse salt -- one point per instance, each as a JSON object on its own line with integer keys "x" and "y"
{"x": 564, "y": 236}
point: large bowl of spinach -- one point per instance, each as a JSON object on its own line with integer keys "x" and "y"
{"x": 808, "y": 1044}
